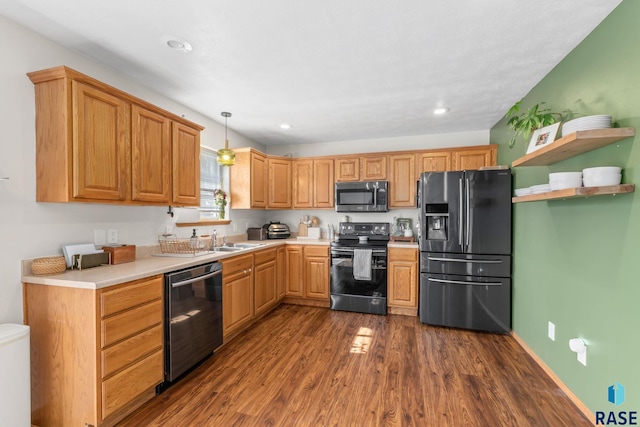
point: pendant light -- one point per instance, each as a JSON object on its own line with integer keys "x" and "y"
{"x": 226, "y": 157}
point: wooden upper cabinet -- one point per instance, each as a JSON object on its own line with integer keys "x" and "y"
{"x": 150, "y": 156}
{"x": 249, "y": 180}
{"x": 279, "y": 183}
{"x": 348, "y": 169}
{"x": 402, "y": 183}
{"x": 473, "y": 158}
{"x": 95, "y": 143}
{"x": 323, "y": 183}
{"x": 313, "y": 183}
{"x": 259, "y": 183}
{"x": 373, "y": 168}
{"x": 434, "y": 161}
{"x": 100, "y": 144}
{"x": 186, "y": 165}
{"x": 302, "y": 183}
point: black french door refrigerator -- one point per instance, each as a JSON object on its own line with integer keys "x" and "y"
{"x": 465, "y": 249}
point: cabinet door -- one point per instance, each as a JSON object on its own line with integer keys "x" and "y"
{"x": 295, "y": 277}
{"x": 265, "y": 283}
{"x": 186, "y": 165}
{"x": 373, "y": 168}
{"x": 474, "y": 158}
{"x": 237, "y": 301}
{"x": 281, "y": 271}
{"x": 316, "y": 272}
{"x": 323, "y": 183}
{"x": 347, "y": 169}
{"x": 100, "y": 144}
{"x": 302, "y": 184}
{"x": 279, "y": 183}
{"x": 436, "y": 161}
{"x": 402, "y": 185}
{"x": 150, "y": 156}
{"x": 258, "y": 181}
{"x": 403, "y": 278}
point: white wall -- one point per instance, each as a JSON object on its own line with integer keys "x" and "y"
{"x": 416, "y": 142}
{"x": 29, "y": 229}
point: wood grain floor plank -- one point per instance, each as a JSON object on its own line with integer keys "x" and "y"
{"x": 310, "y": 366}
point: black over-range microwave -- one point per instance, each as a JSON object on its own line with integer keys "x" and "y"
{"x": 369, "y": 196}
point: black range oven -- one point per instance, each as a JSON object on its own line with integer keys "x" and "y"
{"x": 359, "y": 268}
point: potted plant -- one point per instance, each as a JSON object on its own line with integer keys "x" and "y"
{"x": 526, "y": 122}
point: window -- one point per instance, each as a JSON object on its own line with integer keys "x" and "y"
{"x": 211, "y": 178}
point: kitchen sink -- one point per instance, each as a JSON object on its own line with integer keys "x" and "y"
{"x": 247, "y": 245}
{"x": 227, "y": 249}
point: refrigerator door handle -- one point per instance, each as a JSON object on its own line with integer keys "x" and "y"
{"x": 468, "y": 208}
{"x": 470, "y": 261}
{"x": 460, "y": 230}
{"x": 459, "y": 282}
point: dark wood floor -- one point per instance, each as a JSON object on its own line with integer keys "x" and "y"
{"x": 305, "y": 366}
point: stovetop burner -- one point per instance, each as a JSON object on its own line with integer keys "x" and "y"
{"x": 362, "y": 234}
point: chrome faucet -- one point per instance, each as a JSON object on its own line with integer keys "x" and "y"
{"x": 214, "y": 239}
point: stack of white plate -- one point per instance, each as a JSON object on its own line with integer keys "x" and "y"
{"x": 586, "y": 123}
{"x": 601, "y": 176}
{"x": 523, "y": 192}
{"x": 563, "y": 180}
{"x": 542, "y": 188}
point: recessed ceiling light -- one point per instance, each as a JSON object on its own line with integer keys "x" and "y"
{"x": 180, "y": 45}
{"x": 285, "y": 126}
{"x": 440, "y": 111}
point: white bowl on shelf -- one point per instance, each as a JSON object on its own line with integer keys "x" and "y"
{"x": 564, "y": 175}
{"x": 586, "y": 123}
{"x": 602, "y": 170}
{"x": 602, "y": 180}
{"x": 564, "y": 180}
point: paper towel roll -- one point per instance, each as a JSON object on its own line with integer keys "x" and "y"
{"x": 185, "y": 215}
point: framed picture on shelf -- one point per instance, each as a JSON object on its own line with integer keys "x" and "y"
{"x": 542, "y": 137}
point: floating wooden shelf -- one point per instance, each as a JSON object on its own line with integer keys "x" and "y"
{"x": 571, "y": 193}
{"x": 574, "y": 144}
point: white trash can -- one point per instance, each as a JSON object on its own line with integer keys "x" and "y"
{"x": 15, "y": 381}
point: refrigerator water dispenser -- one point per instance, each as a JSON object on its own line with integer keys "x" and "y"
{"x": 437, "y": 221}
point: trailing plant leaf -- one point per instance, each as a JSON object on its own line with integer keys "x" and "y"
{"x": 526, "y": 122}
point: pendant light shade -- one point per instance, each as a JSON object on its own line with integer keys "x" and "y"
{"x": 226, "y": 156}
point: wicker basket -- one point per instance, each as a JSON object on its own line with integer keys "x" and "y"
{"x": 48, "y": 265}
{"x": 173, "y": 245}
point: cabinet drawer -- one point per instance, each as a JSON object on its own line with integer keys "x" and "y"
{"x": 316, "y": 251}
{"x": 130, "y": 295}
{"x": 130, "y": 350}
{"x": 125, "y": 386}
{"x": 265, "y": 256}
{"x": 235, "y": 264}
{"x": 129, "y": 323}
{"x": 398, "y": 254}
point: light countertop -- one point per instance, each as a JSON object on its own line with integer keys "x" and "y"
{"x": 108, "y": 275}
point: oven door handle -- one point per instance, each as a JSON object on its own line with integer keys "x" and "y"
{"x": 373, "y": 251}
{"x": 195, "y": 279}
{"x": 470, "y": 261}
{"x": 460, "y": 282}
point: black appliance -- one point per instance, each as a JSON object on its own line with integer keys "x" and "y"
{"x": 359, "y": 267}
{"x": 276, "y": 230}
{"x": 369, "y": 196}
{"x": 465, "y": 245}
{"x": 193, "y": 317}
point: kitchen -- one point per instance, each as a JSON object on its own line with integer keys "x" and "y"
{"x": 39, "y": 229}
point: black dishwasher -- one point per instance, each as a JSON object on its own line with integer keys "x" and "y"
{"x": 193, "y": 317}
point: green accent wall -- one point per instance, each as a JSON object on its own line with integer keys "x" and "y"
{"x": 576, "y": 262}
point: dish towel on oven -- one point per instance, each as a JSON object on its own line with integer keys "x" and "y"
{"x": 362, "y": 264}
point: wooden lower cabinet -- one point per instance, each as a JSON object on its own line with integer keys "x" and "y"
{"x": 237, "y": 293}
{"x": 265, "y": 281}
{"x": 281, "y": 271}
{"x": 91, "y": 364}
{"x": 402, "y": 281}
{"x": 308, "y": 274}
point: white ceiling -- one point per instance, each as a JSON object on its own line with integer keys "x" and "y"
{"x": 336, "y": 70}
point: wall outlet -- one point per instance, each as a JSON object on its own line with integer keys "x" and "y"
{"x": 551, "y": 331}
{"x": 112, "y": 236}
{"x": 99, "y": 237}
